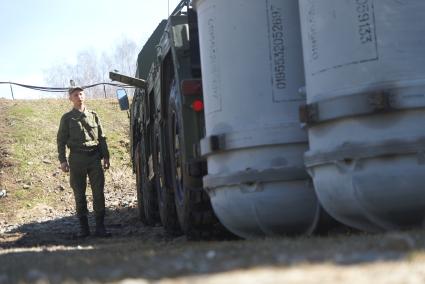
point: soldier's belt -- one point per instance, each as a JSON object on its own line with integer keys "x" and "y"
{"x": 86, "y": 151}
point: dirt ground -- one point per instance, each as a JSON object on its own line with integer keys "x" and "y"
{"x": 37, "y": 243}
{"x": 45, "y": 252}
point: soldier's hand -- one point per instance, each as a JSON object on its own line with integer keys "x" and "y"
{"x": 106, "y": 164}
{"x": 65, "y": 167}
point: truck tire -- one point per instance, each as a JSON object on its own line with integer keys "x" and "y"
{"x": 166, "y": 205}
{"x": 139, "y": 184}
{"x": 150, "y": 202}
{"x": 193, "y": 206}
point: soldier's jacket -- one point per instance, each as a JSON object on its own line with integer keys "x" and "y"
{"x": 81, "y": 131}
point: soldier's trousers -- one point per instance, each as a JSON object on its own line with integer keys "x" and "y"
{"x": 82, "y": 165}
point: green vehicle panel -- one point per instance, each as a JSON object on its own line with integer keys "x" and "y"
{"x": 166, "y": 129}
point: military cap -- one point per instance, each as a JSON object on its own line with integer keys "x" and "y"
{"x": 72, "y": 89}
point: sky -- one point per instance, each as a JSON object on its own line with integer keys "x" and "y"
{"x": 38, "y": 34}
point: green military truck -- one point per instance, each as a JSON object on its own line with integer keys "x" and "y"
{"x": 166, "y": 125}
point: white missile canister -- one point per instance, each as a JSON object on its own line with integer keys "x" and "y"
{"x": 365, "y": 81}
{"x": 252, "y": 71}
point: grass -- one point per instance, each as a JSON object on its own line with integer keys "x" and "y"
{"x": 29, "y": 130}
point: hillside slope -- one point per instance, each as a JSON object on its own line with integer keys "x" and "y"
{"x": 29, "y": 170}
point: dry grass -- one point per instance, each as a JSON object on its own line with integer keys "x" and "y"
{"x": 28, "y": 155}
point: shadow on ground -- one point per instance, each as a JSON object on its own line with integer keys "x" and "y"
{"x": 121, "y": 223}
{"x": 46, "y": 252}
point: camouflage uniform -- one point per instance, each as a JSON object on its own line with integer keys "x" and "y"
{"x": 83, "y": 134}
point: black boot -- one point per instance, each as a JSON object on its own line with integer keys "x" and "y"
{"x": 100, "y": 227}
{"x": 84, "y": 227}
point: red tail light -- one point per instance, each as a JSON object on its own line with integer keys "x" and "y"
{"x": 198, "y": 106}
{"x": 191, "y": 87}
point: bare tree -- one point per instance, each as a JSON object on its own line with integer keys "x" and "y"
{"x": 87, "y": 71}
{"x": 125, "y": 56}
{"x": 58, "y": 76}
{"x": 106, "y": 65}
{"x": 90, "y": 68}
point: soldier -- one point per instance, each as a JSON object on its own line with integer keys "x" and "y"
{"x": 81, "y": 130}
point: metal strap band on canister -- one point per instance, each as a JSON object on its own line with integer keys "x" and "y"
{"x": 352, "y": 151}
{"x": 282, "y": 134}
{"x": 359, "y": 104}
{"x": 255, "y": 177}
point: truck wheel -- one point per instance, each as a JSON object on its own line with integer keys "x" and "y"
{"x": 166, "y": 205}
{"x": 193, "y": 205}
{"x": 139, "y": 184}
{"x": 150, "y": 202}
